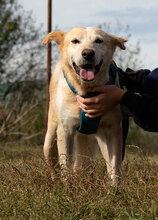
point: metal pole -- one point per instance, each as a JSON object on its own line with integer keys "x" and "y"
{"x": 48, "y": 61}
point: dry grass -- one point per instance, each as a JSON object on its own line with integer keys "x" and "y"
{"x": 22, "y": 120}
{"x": 27, "y": 192}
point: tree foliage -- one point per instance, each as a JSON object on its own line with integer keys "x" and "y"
{"x": 21, "y": 56}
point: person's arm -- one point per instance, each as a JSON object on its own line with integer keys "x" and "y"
{"x": 133, "y": 80}
{"x": 143, "y": 109}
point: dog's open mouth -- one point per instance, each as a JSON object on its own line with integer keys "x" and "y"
{"x": 88, "y": 71}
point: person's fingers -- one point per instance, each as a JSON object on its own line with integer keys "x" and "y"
{"x": 88, "y": 101}
{"x": 94, "y": 115}
{"x": 89, "y": 107}
{"x": 91, "y": 111}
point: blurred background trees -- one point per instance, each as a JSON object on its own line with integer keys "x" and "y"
{"x": 22, "y": 73}
{"x": 21, "y": 53}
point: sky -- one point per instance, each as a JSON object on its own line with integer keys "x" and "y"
{"x": 140, "y": 15}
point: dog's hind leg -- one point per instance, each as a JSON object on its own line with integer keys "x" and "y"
{"x": 86, "y": 149}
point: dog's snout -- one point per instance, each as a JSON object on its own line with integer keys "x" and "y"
{"x": 88, "y": 54}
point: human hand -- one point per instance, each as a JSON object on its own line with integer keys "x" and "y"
{"x": 109, "y": 96}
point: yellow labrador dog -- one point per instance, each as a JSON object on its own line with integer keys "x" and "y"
{"x": 86, "y": 54}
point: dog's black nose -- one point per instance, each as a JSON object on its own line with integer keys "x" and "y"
{"x": 88, "y": 54}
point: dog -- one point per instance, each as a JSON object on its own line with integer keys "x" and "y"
{"x": 85, "y": 57}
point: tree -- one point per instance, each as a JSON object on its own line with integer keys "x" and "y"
{"x": 22, "y": 55}
{"x": 131, "y": 57}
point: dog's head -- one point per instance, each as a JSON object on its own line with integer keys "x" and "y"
{"x": 88, "y": 51}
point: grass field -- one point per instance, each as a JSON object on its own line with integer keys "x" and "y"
{"x": 27, "y": 192}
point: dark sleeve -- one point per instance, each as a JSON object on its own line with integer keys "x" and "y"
{"x": 143, "y": 109}
{"x": 133, "y": 80}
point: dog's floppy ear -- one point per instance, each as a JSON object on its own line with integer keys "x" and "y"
{"x": 118, "y": 41}
{"x": 57, "y": 36}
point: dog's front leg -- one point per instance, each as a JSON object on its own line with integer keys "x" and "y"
{"x": 115, "y": 152}
{"x": 116, "y": 162}
{"x": 50, "y": 148}
{"x": 111, "y": 149}
{"x": 65, "y": 146}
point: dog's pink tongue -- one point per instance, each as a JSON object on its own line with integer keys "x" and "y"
{"x": 87, "y": 74}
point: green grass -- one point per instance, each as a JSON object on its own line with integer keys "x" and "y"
{"x": 27, "y": 192}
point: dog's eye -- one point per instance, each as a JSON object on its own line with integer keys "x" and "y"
{"x": 75, "y": 41}
{"x": 98, "y": 41}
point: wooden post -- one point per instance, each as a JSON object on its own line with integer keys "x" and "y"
{"x": 48, "y": 61}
